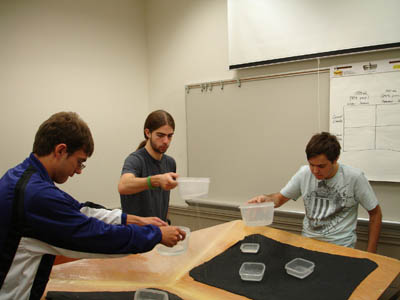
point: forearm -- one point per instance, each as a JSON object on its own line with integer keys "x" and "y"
{"x": 132, "y": 219}
{"x": 374, "y": 230}
{"x": 373, "y": 237}
{"x": 141, "y": 221}
{"x": 277, "y": 198}
{"x": 130, "y": 184}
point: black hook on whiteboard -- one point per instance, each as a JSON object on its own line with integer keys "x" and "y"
{"x": 370, "y": 67}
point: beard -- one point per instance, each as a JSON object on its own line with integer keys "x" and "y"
{"x": 161, "y": 149}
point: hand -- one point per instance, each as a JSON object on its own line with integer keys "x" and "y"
{"x": 141, "y": 221}
{"x": 277, "y": 198}
{"x": 151, "y": 221}
{"x": 260, "y": 199}
{"x": 171, "y": 235}
{"x": 168, "y": 181}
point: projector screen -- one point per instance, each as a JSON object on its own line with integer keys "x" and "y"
{"x": 263, "y": 32}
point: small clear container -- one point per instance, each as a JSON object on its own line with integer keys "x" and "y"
{"x": 257, "y": 214}
{"x": 252, "y": 271}
{"x": 300, "y": 267}
{"x": 249, "y": 247}
{"x": 179, "y": 248}
{"x": 150, "y": 294}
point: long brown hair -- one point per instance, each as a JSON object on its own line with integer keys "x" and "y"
{"x": 155, "y": 120}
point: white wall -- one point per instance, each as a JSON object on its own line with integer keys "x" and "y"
{"x": 187, "y": 43}
{"x": 86, "y": 56}
{"x": 112, "y": 62}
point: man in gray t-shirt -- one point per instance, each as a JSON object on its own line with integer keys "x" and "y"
{"x": 331, "y": 194}
{"x": 149, "y": 174}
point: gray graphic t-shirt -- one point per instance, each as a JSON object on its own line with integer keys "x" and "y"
{"x": 331, "y": 205}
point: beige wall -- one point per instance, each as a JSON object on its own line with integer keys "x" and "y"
{"x": 188, "y": 43}
{"x": 113, "y": 62}
{"x": 86, "y": 56}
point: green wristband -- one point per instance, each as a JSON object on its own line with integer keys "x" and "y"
{"x": 149, "y": 183}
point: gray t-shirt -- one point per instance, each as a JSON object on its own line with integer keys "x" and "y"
{"x": 331, "y": 205}
{"x": 149, "y": 203}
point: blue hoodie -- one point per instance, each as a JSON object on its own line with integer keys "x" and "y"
{"x": 38, "y": 221}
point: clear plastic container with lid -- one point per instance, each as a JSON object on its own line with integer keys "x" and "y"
{"x": 252, "y": 271}
{"x": 249, "y": 247}
{"x": 300, "y": 267}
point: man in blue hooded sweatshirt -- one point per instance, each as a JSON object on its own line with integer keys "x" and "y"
{"x": 38, "y": 220}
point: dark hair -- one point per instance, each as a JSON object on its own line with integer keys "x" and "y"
{"x": 323, "y": 143}
{"x": 155, "y": 120}
{"x": 63, "y": 127}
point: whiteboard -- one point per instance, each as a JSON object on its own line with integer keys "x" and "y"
{"x": 269, "y": 31}
{"x": 250, "y": 139}
{"x": 365, "y": 116}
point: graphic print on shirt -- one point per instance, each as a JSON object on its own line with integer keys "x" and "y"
{"x": 326, "y": 206}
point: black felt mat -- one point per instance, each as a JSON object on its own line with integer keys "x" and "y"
{"x": 99, "y": 295}
{"x": 335, "y": 277}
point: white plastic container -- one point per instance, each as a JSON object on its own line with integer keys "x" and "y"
{"x": 150, "y": 294}
{"x": 193, "y": 187}
{"x": 300, "y": 267}
{"x": 250, "y": 248}
{"x": 179, "y": 248}
{"x": 252, "y": 271}
{"x": 257, "y": 214}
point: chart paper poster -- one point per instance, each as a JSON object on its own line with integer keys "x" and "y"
{"x": 365, "y": 116}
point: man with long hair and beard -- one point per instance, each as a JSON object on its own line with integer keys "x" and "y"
{"x": 149, "y": 174}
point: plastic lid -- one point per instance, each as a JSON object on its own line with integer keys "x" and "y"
{"x": 193, "y": 179}
{"x": 255, "y": 205}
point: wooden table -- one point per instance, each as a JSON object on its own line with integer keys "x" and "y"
{"x": 171, "y": 273}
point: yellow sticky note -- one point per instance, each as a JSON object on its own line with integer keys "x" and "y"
{"x": 338, "y": 72}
